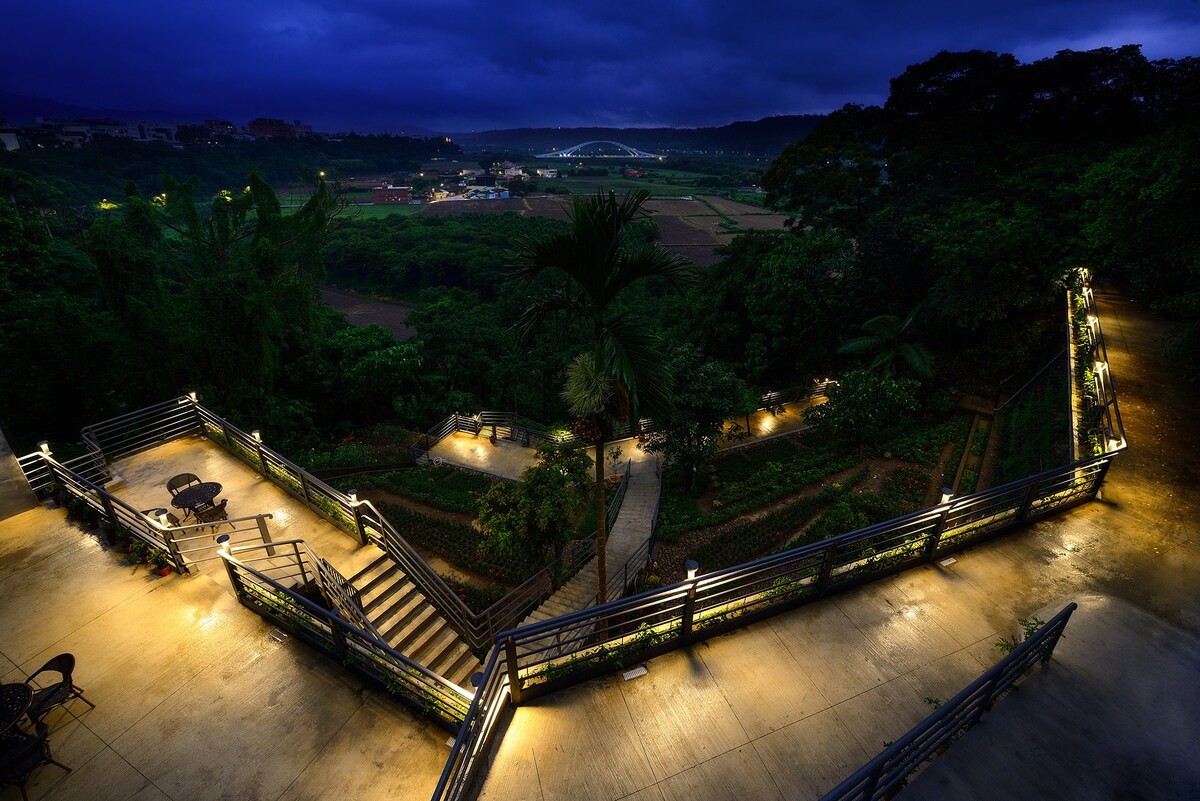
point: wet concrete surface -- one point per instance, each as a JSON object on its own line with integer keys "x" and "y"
{"x": 790, "y": 707}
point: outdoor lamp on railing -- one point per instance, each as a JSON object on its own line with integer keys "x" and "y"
{"x": 352, "y": 495}
{"x": 691, "y": 566}
{"x": 257, "y": 435}
{"x": 1113, "y": 444}
{"x": 947, "y": 494}
{"x": 1101, "y": 367}
{"x": 192, "y": 396}
{"x": 45, "y": 446}
{"x": 161, "y": 514}
{"x": 223, "y": 543}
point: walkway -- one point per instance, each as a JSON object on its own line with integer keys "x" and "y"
{"x": 194, "y": 699}
{"x": 789, "y": 707}
{"x": 630, "y": 532}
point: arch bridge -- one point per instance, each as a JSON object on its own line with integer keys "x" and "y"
{"x": 627, "y": 152}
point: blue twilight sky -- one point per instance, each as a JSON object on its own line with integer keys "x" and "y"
{"x": 456, "y": 65}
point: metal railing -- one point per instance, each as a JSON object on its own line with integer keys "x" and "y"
{"x": 513, "y": 427}
{"x": 108, "y": 508}
{"x": 469, "y": 752}
{"x": 565, "y": 650}
{"x": 889, "y": 771}
{"x": 258, "y": 580}
{"x": 1101, "y": 395}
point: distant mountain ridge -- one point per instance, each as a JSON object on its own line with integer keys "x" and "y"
{"x": 20, "y": 109}
{"x": 766, "y": 137}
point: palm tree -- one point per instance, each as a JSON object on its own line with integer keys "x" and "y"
{"x": 600, "y": 259}
{"x": 887, "y": 338}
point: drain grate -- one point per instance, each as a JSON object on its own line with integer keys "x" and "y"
{"x": 634, "y": 673}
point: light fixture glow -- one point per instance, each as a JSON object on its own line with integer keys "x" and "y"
{"x": 947, "y": 494}
{"x": 691, "y": 566}
{"x": 257, "y": 436}
{"x": 45, "y": 446}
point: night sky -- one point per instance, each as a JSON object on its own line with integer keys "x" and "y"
{"x": 460, "y": 65}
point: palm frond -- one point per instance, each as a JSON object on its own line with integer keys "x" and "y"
{"x": 859, "y": 346}
{"x": 534, "y": 315}
{"x": 588, "y": 388}
{"x": 918, "y": 357}
{"x": 633, "y": 357}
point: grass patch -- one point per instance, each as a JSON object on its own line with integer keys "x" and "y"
{"x": 440, "y": 487}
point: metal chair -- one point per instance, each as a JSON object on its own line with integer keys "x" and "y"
{"x": 214, "y": 515}
{"x": 181, "y": 481}
{"x": 21, "y": 754}
{"x": 57, "y": 694}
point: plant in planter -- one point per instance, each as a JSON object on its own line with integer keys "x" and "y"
{"x": 160, "y": 560}
{"x": 112, "y": 532}
{"x": 614, "y": 458}
{"x": 140, "y": 551}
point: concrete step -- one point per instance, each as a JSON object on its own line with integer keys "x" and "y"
{"x": 458, "y": 665}
{"x": 440, "y": 640}
{"x": 407, "y": 598}
{"x": 410, "y": 629}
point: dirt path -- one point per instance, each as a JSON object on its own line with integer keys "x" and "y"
{"x": 364, "y": 310}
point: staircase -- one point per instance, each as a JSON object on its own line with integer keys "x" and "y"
{"x": 410, "y": 624}
{"x": 629, "y": 533}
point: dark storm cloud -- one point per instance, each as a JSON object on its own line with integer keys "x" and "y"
{"x": 464, "y": 64}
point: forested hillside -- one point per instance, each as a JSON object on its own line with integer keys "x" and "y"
{"x": 951, "y": 218}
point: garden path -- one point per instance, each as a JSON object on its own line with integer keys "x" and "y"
{"x": 630, "y": 532}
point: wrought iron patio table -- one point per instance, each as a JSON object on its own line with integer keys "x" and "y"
{"x": 14, "y": 702}
{"x": 200, "y": 496}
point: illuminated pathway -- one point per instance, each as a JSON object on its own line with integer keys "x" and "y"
{"x": 790, "y": 706}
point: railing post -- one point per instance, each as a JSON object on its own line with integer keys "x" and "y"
{"x": 300, "y": 564}
{"x": 168, "y": 536}
{"x": 106, "y": 502}
{"x": 514, "y": 674}
{"x": 986, "y": 701}
{"x": 338, "y": 634}
{"x": 935, "y": 536}
{"x": 363, "y": 537}
{"x": 234, "y": 579}
{"x": 1027, "y": 501}
{"x": 826, "y": 570}
{"x": 689, "y": 611}
{"x": 265, "y": 533}
{"x": 225, "y": 431}
{"x": 304, "y": 487}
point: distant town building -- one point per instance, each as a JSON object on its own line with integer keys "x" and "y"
{"x": 631, "y": 172}
{"x": 547, "y": 172}
{"x": 391, "y": 194}
{"x": 266, "y": 127}
{"x": 220, "y": 127}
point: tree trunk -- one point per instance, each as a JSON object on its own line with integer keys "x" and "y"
{"x": 601, "y": 526}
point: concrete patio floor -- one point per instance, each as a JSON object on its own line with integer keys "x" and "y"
{"x": 791, "y": 706}
{"x": 142, "y": 485}
{"x": 194, "y": 699}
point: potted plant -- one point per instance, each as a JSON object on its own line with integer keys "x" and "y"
{"x": 614, "y": 461}
{"x": 111, "y": 532}
{"x": 161, "y": 562}
{"x": 140, "y": 551}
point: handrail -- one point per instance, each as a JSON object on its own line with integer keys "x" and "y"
{"x": 475, "y": 735}
{"x": 708, "y": 604}
{"x": 358, "y": 649}
{"x": 890, "y": 769}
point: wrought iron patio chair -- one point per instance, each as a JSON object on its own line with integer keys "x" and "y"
{"x": 182, "y": 481}
{"x": 21, "y": 754}
{"x": 58, "y": 693}
{"x": 214, "y": 515}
